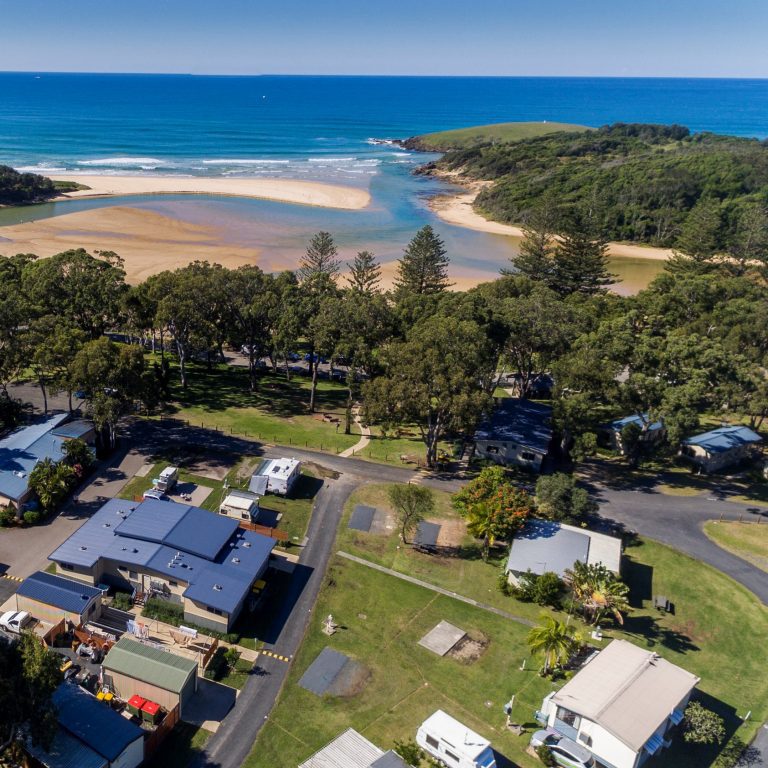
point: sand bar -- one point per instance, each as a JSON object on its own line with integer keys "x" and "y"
{"x": 458, "y": 210}
{"x": 283, "y": 190}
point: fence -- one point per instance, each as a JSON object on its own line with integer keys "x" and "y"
{"x": 264, "y": 530}
{"x": 158, "y": 736}
{"x": 207, "y": 657}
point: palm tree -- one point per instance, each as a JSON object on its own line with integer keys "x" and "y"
{"x": 598, "y": 591}
{"x": 481, "y": 524}
{"x": 554, "y": 640}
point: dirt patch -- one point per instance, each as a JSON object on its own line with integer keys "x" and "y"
{"x": 350, "y": 681}
{"x": 453, "y": 531}
{"x": 470, "y": 648}
{"x": 320, "y": 471}
{"x": 689, "y": 631}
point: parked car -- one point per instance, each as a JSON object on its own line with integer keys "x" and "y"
{"x": 154, "y": 493}
{"x": 71, "y": 671}
{"x": 565, "y": 751}
{"x": 15, "y": 621}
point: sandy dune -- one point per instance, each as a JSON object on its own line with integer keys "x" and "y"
{"x": 284, "y": 190}
{"x": 457, "y": 209}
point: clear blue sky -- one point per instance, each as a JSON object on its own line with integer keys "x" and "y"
{"x": 700, "y": 38}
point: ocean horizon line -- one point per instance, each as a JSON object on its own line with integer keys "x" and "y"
{"x": 289, "y": 75}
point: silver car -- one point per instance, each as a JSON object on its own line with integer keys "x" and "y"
{"x": 565, "y": 751}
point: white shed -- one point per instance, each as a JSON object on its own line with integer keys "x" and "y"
{"x": 281, "y": 474}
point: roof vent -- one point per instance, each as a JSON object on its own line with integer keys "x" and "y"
{"x": 247, "y": 544}
{"x": 171, "y": 564}
{"x": 217, "y": 587}
{"x": 82, "y": 549}
{"x": 107, "y": 525}
{"x": 124, "y": 549}
{"x": 84, "y": 597}
{"x": 236, "y": 560}
{"x": 135, "y": 551}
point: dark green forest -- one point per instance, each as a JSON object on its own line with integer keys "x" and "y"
{"x": 640, "y": 181}
{"x": 19, "y": 188}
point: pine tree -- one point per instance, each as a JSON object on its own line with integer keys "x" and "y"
{"x": 537, "y": 248}
{"x": 320, "y": 258}
{"x": 423, "y": 269}
{"x": 699, "y": 239}
{"x": 364, "y": 273}
{"x": 580, "y": 261}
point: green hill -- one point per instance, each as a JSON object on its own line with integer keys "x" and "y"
{"x": 642, "y": 180}
{"x": 462, "y": 138}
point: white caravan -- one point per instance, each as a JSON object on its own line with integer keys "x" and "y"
{"x": 453, "y": 744}
{"x": 281, "y": 474}
{"x": 167, "y": 480}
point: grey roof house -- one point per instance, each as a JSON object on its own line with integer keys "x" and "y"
{"x": 722, "y": 447}
{"x": 516, "y": 432}
{"x": 352, "y": 750}
{"x": 546, "y": 546}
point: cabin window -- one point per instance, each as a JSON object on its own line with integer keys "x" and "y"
{"x": 213, "y": 610}
{"x": 66, "y": 567}
{"x": 492, "y": 449}
{"x": 451, "y": 756}
{"x": 585, "y": 739}
{"x": 528, "y": 456}
{"x": 174, "y": 583}
{"x": 133, "y": 575}
{"x": 432, "y": 742}
{"x": 568, "y": 717}
{"x": 245, "y": 515}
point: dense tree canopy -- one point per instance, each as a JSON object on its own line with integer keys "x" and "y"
{"x": 17, "y": 188}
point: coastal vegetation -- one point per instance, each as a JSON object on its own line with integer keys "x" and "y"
{"x": 641, "y": 183}
{"x": 20, "y": 188}
{"x": 463, "y": 138}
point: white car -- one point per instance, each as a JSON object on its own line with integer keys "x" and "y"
{"x": 155, "y": 493}
{"x": 15, "y": 621}
{"x": 565, "y": 751}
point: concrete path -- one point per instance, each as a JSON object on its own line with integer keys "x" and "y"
{"x": 433, "y": 588}
{"x": 756, "y": 754}
{"x": 365, "y": 437}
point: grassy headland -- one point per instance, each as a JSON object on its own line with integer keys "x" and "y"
{"x": 495, "y": 133}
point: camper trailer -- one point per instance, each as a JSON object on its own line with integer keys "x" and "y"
{"x": 281, "y": 474}
{"x": 453, "y": 744}
{"x": 167, "y": 480}
{"x": 242, "y": 505}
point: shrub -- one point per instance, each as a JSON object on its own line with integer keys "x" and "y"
{"x": 32, "y": 517}
{"x": 122, "y": 601}
{"x": 221, "y": 662}
{"x": 410, "y": 752}
{"x": 7, "y": 516}
{"x": 173, "y": 614}
{"x": 702, "y": 725}
{"x": 544, "y": 753}
{"x": 549, "y": 587}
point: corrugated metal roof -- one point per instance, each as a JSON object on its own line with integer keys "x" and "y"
{"x": 21, "y": 450}
{"x": 151, "y": 665}
{"x": 218, "y": 589}
{"x": 66, "y": 594}
{"x": 95, "y": 724}
{"x": 619, "y": 424}
{"x": 627, "y": 690}
{"x": 724, "y": 439}
{"x": 518, "y": 421}
{"x": 544, "y": 546}
{"x": 201, "y": 532}
{"x": 66, "y": 752}
{"x": 258, "y": 484}
{"x": 92, "y": 539}
{"x": 74, "y": 429}
{"x": 152, "y": 520}
{"x": 389, "y": 760}
{"x": 348, "y": 750}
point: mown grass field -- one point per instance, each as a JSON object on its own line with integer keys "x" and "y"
{"x": 461, "y": 138}
{"x": 716, "y": 632}
{"x": 746, "y": 540}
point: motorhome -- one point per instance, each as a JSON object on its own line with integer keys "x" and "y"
{"x": 241, "y": 505}
{"x": 453, "y": 744}
{"x": 281, "y": 474}
{"x": 167, "y": 480}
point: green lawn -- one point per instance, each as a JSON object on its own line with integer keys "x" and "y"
{"x": 442, "y": 141}
{"x": 699, "y": 636}
{"x": 746, "y": 540}
{"x": 183, "y": 743}
{"x": 405, "y": 683}
{"x": 138, "y": 485}
{"x": 236, "y": 676}
{"x": 275, "y": 413}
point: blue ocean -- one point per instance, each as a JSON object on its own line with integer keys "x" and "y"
{"x": 326, "y": 128}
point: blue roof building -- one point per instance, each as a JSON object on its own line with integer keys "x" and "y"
{"x": 201, "y": 560}
{"x": 722, "y": 447}
{"x": 91, "y": 732}
{"x": 50, "y": 598}
{"x": 651, "y": 431}
{"x": 516, "y": 432}
{"x": 23, "y": 449}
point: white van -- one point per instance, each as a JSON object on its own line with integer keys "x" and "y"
{"x": 15, "y": 621}
{"x": 167, "y": 480}
{"x": 453, "y": 744}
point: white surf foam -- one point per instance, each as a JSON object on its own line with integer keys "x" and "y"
{"x": 40, "y": 169}
{"x": 238, "y": 161}
{"x": 123, "y": 162}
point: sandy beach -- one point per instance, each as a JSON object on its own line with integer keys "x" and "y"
{"x": 458, "y": 210}
{"x": 283, "y": 190}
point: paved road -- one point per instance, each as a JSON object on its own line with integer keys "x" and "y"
{"x": 229, "y": 747}
{"x": 678, "y": 521}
